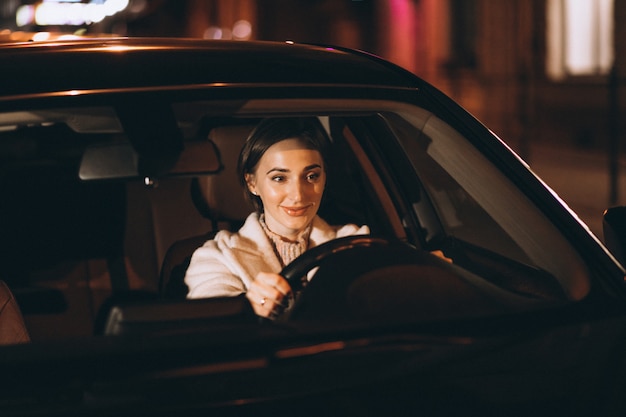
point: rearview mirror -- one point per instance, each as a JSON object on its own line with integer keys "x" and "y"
{"x": 120, "y": 161}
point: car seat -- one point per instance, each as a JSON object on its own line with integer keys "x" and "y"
{"x": 219, "y": 198}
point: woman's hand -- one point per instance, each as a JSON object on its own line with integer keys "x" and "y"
{"x": 269, "y": 294}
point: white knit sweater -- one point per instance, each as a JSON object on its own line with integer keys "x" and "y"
{"x": 225, "y": 265}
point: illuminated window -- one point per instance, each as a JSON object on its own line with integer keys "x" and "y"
{"x": 580, "y": 37}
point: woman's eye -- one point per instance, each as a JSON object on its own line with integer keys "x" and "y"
{"x": 278, "y": 178}
{"x": 312, "y": 177}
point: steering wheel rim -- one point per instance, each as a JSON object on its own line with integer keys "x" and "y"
{"x": 296, "y": 272}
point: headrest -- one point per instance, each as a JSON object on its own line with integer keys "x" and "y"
{"x": 222, "y": 193}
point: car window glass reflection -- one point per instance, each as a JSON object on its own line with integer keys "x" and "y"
{"x": 476, "y": 204}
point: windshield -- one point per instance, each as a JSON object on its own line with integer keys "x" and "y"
{"x": 94, "y": 202}
{"x": 477, "y": 204}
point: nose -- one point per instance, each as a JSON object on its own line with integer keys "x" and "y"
{"x": 297, "y": 190}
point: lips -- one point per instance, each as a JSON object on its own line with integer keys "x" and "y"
{"x": 296, "y": 211}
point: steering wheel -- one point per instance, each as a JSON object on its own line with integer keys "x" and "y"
{"x": 295, "y": 272}
{"x": 378, "y": 279}
{"x": 340, "y": 262}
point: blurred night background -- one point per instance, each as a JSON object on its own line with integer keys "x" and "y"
{"x": 545, "y": 75}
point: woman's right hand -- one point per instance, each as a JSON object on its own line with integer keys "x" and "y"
{"x": 269, "y": 294}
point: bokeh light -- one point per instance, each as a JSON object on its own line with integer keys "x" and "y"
{"x": 53, "y": 13}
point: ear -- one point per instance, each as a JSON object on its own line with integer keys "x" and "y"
{"x": 251, "y": 183}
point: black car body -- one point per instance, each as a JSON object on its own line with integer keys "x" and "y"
{"x": 117, "y": 161}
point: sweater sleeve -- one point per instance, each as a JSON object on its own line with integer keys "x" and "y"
{"x": 209, "y": 275}
{"x": 352, "y": 229}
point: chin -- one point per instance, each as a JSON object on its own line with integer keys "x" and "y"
{"x": 299, "y": 224}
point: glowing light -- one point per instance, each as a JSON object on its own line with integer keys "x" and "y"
{"x": 213, "y": 32}
{"x": 25, "y": 15}
{"x": 579, "y": 37}
{"x": 118, "y": 48}
{"x": 94, "y": 14}
{"x": 402, "y": 33}
{"x": 69, "y": 13}
{"x": 242, "y": 30}
{"x": 17, "y": 36}
{"x": 46, "y": 13}
{"x": 112, "y": 7}
{"x": 41, "y": 36}
{"x": 68, "y": 37}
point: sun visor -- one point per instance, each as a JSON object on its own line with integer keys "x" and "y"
{"x": 121, "y": 161}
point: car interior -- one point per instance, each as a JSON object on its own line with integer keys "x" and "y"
{"x": 108, "y": 235}
{"x": 103, "y": 214}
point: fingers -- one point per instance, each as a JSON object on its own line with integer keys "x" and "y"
{"x": 273, "y": 281}
{"x": 268, "y": 294}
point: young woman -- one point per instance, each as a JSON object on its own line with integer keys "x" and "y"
{"x": 283, "y": 169}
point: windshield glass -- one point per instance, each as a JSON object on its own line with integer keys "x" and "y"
{"x": 478, "y": 205}
{"x": 94, "y": 203}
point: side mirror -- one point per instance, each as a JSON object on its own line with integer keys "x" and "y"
{"x": 614, "y": 230}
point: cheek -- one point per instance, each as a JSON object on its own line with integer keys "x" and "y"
{"x": 316, "y": 191}
{"x": 270, "y": 191}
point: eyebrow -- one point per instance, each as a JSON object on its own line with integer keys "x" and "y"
{"x": 307, "y": 168}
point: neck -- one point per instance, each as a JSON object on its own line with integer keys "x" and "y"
{"x": 289, "y": 235}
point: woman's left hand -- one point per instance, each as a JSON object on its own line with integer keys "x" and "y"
{"x": 269, "y": 294}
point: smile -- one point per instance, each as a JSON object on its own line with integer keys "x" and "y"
{"x": 295, "y": 211}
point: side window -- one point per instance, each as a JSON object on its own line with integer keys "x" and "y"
{"x": 356, "y": 184}
{"x": 481, "y": 212}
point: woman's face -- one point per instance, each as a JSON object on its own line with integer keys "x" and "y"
{"x": 290, "y": 181}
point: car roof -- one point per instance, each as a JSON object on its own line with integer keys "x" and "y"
{"x": 114, "y": 63}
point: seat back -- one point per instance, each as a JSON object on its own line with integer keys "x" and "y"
{"x": 218, "y": 197}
